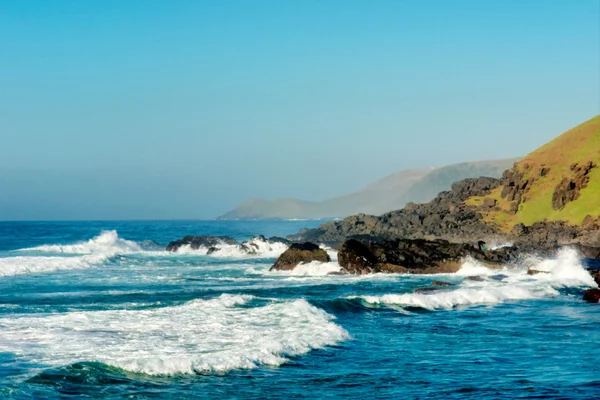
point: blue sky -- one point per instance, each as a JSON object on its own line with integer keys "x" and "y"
{"x": 131, "y": 109}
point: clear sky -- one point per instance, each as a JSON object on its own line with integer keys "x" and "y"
{"x": 114, "y": 109}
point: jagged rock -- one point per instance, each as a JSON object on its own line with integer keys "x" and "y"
{"x": 370, "y": 254}
{"x": 489, "y": 203}
{"x": 535, "y": 272}
{"x": 569, "y": 189}
{"x": 445, "y": 217}
{"x": 441, "y": 283}
{"x": 592, "y": 295}
{"x": 475, "y": 278}
{"x": 195, "y": 242}
{"x": 300, "y": 253}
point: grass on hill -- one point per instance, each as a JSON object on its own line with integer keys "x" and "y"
{"x": 578, "y": 145}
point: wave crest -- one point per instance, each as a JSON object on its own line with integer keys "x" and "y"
{"x": 213, "y": 335}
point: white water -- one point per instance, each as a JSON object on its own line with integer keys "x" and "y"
{"x": 67, "y": 257}
{"x": 563, "y": 271}
{"x": 259, "y": 249}
{"x": 213, "y": 335}
{"x": 108, "y": 243}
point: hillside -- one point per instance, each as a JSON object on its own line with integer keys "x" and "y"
{"x": 560, "y": 181}
{"x": 389, "y": 193}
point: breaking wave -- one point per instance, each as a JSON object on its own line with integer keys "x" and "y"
{"x": 564, "y": 271}
{"x": 108, "y": 243}
{"x": 255, "y": 247}
{"x": 67, "y": 256}
{"x": 199, "y": 336}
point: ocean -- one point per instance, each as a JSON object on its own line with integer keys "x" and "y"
{"x": 101, "y": 310}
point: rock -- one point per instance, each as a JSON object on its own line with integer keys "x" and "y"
{"x": 592, "y": 295}
{"x": 300, "y": 253}
{"x": 535, "y": 272}
{"x": 499, "y": 277}
{"x": 441, "y": 283}
{"x": 445, "y": 217}
{"x": 489, "y": 203}
{"x": 569, "y": 188}
{"x": 426, "y": 290}
{"x": 196, "y": 242}
{"x": 475, "y": 278}
{"x": 596, "y": 275}
{"x": 371, "y": 254}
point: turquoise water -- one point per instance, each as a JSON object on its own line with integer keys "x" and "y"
{"x": 99, "y": 310}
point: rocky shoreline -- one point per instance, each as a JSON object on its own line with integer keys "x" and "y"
{"x": 430, "y": 238}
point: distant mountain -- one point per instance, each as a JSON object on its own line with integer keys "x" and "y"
{"x": 560, "y": 181}
{"x": 389, "y": 193}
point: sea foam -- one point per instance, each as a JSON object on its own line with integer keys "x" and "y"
{"x": 563, "y": 271}
{"x": 67, "y": 256}
{"x": 215, "y": 335}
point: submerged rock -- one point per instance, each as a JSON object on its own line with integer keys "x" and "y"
{"x": 441, "y": 283}
{"x": 369, "y": 254}
{"x": 426, "y": 290}
{"x": 300, "y": 253}
{"x": 592, "y": 295}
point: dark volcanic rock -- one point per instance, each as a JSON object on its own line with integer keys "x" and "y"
{"x": 300, "y": 253}
{"x": 441, "y": 283}
{"x": 368, "y": 254}
{"x": 195, "y": 242}
{"x": 445, "y": 217}
{"x": 426, "y": 290}
{"x": 569, "y": 189}
{"x": 592, "y": 295}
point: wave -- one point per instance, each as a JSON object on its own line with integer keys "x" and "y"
{"x": 254, "y": 248}
{"x": 314, "y": 268}
{"x": 565, "y": 271}
{"x": 70, "y": 256}
{"x": 108, "y": 243}
{"x": 200, "y": 336}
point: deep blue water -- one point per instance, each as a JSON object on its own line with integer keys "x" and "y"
{"x": 85, "y": 313}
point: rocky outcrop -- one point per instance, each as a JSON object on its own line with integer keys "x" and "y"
{"x": 569, "y": 189}
{"x": 445, "y": 217}
{"x": 552, "y": 234}
{"x": 196, "y": 242}
{"x": 212, "y": 244}
{"x": 592, "y": 295}
{"x": 442, "y": 283}
{"x": 365, "y": 255}
{"x": 300, "y": 253}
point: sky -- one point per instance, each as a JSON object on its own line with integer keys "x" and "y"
{"x": 146, "y": 109}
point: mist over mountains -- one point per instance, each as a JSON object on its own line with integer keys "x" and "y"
{"x": 389, "y": 193}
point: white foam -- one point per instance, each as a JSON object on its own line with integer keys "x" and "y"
{"x": 333, "y": 254}
{"x": 202, "y": 335}
{"x": 313, "y": 268}
{"x": 108, "y": 243}
{"x": 11, "y": 266}
{"x": 92, "y": 252}
{"x": 448, "y": 299}
{"x": 563, "y": 271}
{"x": 253, "y": 248}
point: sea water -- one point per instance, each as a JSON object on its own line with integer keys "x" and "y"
{"x": 101, "y": 310}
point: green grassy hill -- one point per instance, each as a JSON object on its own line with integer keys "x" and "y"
{"x": 563, "y": 168}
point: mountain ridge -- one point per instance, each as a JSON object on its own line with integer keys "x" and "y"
{"x": 388, "y": 193}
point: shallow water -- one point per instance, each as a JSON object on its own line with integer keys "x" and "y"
{"x": 99, "y": 310}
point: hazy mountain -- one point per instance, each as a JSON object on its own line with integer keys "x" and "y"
{"x": 389, "y": 193}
